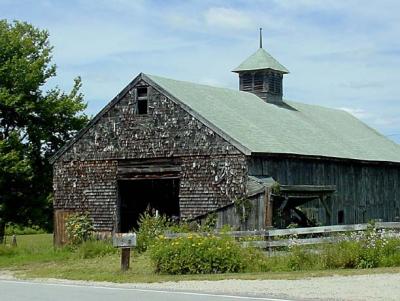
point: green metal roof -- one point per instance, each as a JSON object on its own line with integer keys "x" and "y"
{"x": 292, "y": 129}
{"x": 260, "y": 60}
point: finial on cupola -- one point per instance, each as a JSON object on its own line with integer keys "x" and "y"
{"x": 260, "y": 37}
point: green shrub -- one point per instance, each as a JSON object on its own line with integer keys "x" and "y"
{"x": 209, "y": 223}
{"x": 256, "y": 261}
{"x": 390, "y": 253}
{"x": 344, "y": 254}
{"x": 14, "y": 229}
{"x": 150, "y": 226}
{"x": 197, "y": 255}
{"x": 368, "y": 249}
{"x": 79, "y": 228}
{"x": 300, "y": 258}
{"x": 95, "y": 248}
{"x": 184, "y": 227}
{"x": 6, "y": 250}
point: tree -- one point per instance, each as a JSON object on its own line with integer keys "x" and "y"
{"x": 34, "y": 124}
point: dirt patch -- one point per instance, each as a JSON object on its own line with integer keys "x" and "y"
{"x": 7, "y": 275}
{"x": 361, "y": 287}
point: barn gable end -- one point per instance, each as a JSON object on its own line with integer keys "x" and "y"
{"x": 210, "y": 169}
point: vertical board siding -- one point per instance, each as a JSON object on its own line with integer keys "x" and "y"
{"x": 229, "y": 215}
{"x": 60, "y": 233}
{"x": 365, "y": 191}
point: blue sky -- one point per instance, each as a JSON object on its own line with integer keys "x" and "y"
{"x": 341, "y": 54}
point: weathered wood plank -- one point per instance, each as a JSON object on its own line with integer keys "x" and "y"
{"x": 289, "y": 242}
{"x": 300, "y": 241}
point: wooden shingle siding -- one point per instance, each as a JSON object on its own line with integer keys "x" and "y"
{"x": 212, "y": 171}
{"x": 363, "y": 190}
{"x": 89, "y": 187}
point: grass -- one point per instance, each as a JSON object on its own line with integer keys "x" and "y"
{"x": 35, "y": 257}
{"x": 37, "y": 248}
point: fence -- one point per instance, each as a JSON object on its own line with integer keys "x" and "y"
{"x": 326, "y": 234}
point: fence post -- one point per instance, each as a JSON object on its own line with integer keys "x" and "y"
{"x": 125, "y": 258}
{"x": 269, "y": 246}
{"x": 14, "y": 241}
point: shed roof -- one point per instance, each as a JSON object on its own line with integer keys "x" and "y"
{"x": 259, "y": 60}
{"x": 293, "y": 128}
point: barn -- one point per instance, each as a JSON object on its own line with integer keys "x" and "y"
{"x": 247, "y": 158}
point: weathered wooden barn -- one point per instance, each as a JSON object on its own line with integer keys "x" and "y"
{"x": 249, "y": 157}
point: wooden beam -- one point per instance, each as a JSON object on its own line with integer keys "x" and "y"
{"x": 148, "y": 169}
{"x": 327, "y": 209}
{"x": 308, "y": 188}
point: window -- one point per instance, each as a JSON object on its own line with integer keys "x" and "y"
{"x": 141, "y": 105}
{"x": 340, "y": 217}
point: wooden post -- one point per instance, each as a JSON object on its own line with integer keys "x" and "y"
{"x": 2, "y": 230}
{"x": 268, "y": 208}
{"x": 268, "y": 215}
{"x": 328, "y": 213}
{"x": 125, "y": 241}
{"x": 14, "y": 241}
{"x": 125, "y": 258}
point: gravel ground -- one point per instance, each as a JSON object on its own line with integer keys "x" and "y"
{"x": 363, "y": 287}
{"x": 352, "y": 288}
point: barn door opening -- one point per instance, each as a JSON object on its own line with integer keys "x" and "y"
{"x": 136, "y": 195}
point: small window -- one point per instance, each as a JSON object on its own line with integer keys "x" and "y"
{"x": 340, "y": 217}
{"x": 141, "y": 101}
{"x": 142, "y": 92}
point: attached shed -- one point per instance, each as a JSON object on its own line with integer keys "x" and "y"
{"x": 187, "y": 149}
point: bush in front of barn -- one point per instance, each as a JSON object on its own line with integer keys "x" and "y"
{"x": 195, "y": 254}
{"x": 79, "y": 228}
{"x": 150, "y": 226}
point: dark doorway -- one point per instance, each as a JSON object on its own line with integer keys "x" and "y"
{"x": 135, "y": 196}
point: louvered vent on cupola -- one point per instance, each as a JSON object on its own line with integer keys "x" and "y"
{"x": 262, "y": 75}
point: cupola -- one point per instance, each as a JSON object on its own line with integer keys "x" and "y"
{"x": 262, "y": 75}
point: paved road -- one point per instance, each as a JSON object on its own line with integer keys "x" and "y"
{"x": 12, "y": 290}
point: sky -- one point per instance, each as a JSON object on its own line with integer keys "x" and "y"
{"x": 340, "y": 54}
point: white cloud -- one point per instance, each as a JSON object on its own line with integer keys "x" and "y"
{"x": 359, "y": 113}
{"x": 227, "y": 18}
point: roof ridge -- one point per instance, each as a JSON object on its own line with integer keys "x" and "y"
{"x": 198, "y": 84}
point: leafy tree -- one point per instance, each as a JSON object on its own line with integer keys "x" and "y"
{"x": 34, "y": 123}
